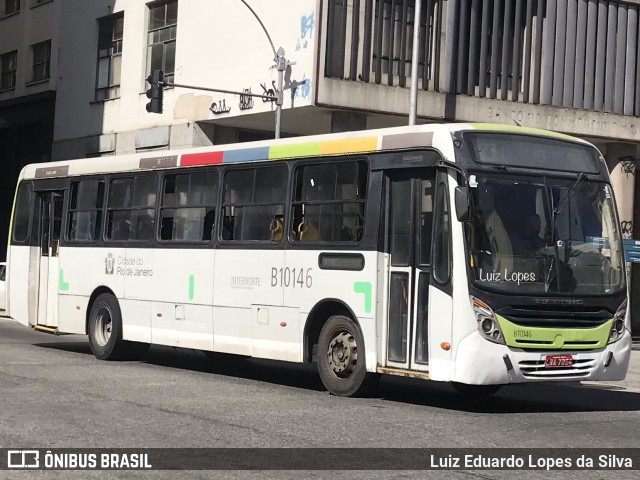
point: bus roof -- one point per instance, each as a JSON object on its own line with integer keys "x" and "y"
{"x": 364, "y": 141}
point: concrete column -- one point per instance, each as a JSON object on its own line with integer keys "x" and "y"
{"x": 634, "y": 291}
{"x": 621, "y": 161}
{"x": 346, "y": 121}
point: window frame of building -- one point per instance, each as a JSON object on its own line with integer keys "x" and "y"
{"x": 9, "y": 8}
{"x": 109, "y": 56}
{"x": 44, "y": 63}
{"x": 8, "y": 69}
{"x": 162, "y": 33}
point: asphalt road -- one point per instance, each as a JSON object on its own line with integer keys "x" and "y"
{"x": 55, "y": 394}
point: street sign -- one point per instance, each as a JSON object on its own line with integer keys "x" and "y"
{"x": 631, "y": 250}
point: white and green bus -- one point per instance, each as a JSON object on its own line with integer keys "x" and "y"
{"x": 482, "y": 255}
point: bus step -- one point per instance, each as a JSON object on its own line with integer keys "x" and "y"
{"x": 403, "y": 372}
{"x": 45, "y": 329}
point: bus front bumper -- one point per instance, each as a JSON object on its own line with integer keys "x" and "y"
{"x": 481, "y": 362}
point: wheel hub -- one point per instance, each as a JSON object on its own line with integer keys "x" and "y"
{"x": 343, "y": 354}
{"x": 103, "y": 327}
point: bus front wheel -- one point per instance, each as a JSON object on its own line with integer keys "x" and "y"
{"x": 341, "y": 358}
{"x": 105, "y": 329}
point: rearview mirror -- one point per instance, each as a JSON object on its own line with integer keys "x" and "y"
{"x": 464, "y": 207}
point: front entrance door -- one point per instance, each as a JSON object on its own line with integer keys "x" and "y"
{"x": 51, "y": 206}
{"x": 409, "y": 224}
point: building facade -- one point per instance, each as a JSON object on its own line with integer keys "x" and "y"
{"x": 28, "y": 36}
{"x": 72, "y": 74}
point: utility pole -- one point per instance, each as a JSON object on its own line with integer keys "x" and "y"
{"x": 281, "y": 66}
{"x": 413, "y": 103}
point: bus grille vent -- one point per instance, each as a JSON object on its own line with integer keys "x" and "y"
{"x": 536, "y": 369}
{"x": 576, "y": 343}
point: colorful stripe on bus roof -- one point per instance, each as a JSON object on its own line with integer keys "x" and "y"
{"x": 371, "y": 141}
{"x": 305, "y": 149}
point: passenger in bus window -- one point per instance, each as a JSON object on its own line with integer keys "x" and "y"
{"x": 227, "y": 228}
{"x": 527, "y": 239}
{"x": 121, "y": 229}
{"x": 144, "y": 230}
{"x": 208, "y": 225}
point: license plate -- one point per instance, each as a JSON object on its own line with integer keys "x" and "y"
{"x": 555, "y": 361}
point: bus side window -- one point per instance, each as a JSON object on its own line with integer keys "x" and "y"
{"x": 442, "y": 261}
{"x": 85, "y": 210}
{"x": 253, "y": 202}
{"x": 426, "y": 221}
{"x": 24, "y": 199}
{"x": 131, "y": 208}
{"x": 328, "y": 202}
{"x": 188, "y": 206}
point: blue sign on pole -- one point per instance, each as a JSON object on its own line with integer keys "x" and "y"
{"x": 631, "y": 250}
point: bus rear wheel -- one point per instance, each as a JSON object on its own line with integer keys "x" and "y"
{"x": 341, "y": 358}
{"x": 105, "y": 329}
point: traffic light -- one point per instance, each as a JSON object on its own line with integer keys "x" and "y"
{"x": 155, "y": 92}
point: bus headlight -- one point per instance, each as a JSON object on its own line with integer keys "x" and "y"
{"x": 487, "y": 324}
{"x": 617, "y": 328}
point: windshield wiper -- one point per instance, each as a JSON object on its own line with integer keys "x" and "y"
{"x": 548, "y": 277}
{"x": 567, "y": 198}
{"x": 555, "y": 209}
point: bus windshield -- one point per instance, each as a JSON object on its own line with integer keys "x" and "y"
{"x": 542, "y": 235}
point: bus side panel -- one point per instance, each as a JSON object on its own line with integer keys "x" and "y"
{"x": 178, "y": 284}
{"x": 82, "y": 271}
{"x": 22, "y": 284}
{"x": 355, "y": 288}
{"x": 232, "y": 330}
{"x": 72, "y": 313}
{"x": 275, "y": 333}
{"x": 242, "y": 282}
{"x": 136, "y": 320}
{"x": 445, "y": 319}
{"x": 440, "y": 314}
{"x": 382, "y": 307}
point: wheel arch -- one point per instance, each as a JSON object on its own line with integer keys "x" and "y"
{"x": 316, "y": 319}
{"x": 96, "y": 293}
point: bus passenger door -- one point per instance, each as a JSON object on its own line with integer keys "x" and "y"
{"x": 51, "y": 206}
{"x": 409, "y": 219}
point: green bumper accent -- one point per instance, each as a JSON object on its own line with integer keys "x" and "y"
{"x": 554, "y": 337}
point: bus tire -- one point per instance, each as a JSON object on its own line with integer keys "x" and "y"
{"x": 475, "y": 390}
{"x": 341, "y": 358}
{"x": 105, "y": 329}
